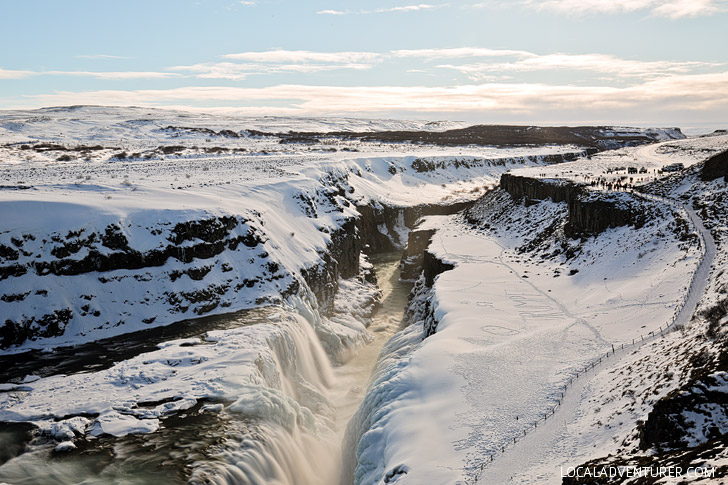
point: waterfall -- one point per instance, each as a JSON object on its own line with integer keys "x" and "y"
{"x": 280, "y": 430}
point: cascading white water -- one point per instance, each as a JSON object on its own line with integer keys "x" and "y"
{"x": 299, "y": 428}
{"x": 279, "y": 431}
{"x": 276, "y": 429}
{"x": 283, "y": 425}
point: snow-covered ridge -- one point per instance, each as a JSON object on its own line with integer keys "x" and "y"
{"x": 509, "y": 307}
{"x": 676, "y": 418}
{"x": 113, "y": 123}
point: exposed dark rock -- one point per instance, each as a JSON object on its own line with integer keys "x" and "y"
{"x": 433, "y": 266}
{"x": 430, "y": 165}
{"x": 341, "y": 259}
{"x": 590, "y": 212}
{"x": 214, "y": 232}
{"x": 208, "y": 230}
{"x": 595, "y": 137}
{"x": 414, "y": 255}
{"x": 182, "y": 130}
{"x": 16, "y": 436}
{"x": 539, "y": 189}
{"x": 682, "y": 460}
{"x": 9, "y": 254}
{"x": 113, "y": 238}
{"x": 393, "y": 219}
{"x": 12, "y": 270}
{"x": 49, "y": 325}
{"x": 72, "y": 247}
{"x": 593, "y": 215}
{"x": 666, "y": 426}
{"x": 170, "y": 149}
{"x": 14, "y": 297}
{"x": 716, "y": 166}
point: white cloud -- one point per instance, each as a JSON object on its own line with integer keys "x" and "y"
{"x": 113, "y": 75}
{"x": 247, "y": 3}
{"x": 599, "y": 63}
{"x": 5, "y": 74}
{"x": 665, "y": 8}
{"x": 431, "y": 54}
{"x": 705, "y": 95}
{"x": 410, "y": 8}
{"x": 482, "y": 64}
{"x": 690, "y": 8}
{"x": 286, "y": 56}
{"x": 485, "y": 64}
{"x": 239, "y": 72}
{"x": 281, "y": 61}
{"x": 403, "y": 8}
{"x": 12, "y": 74}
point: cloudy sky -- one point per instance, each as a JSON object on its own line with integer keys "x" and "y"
{"x": 654, "y": 62}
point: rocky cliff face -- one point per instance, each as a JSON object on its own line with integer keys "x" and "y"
{"x": 593, "y": 213}
{"x": 386, "y": 228}
{"x": 136, "y": 272}
{"x": 414, "y": 255}
{"x": 194, "y": 249}
{"x": 590, "y": 212}
{"x": 594, "y": 137}
{"x": 539, "y": 189}
{"x": 340, "y": 260}
{"x": 180, "y": 270}
{"x": 715, "y": 167}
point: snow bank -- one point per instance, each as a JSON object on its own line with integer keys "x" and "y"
{"x": 521, "y": 313}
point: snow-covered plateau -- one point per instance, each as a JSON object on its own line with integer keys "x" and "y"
{"x": 191, "y": 298}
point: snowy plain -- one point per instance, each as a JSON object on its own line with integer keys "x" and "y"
{"x": 436, "y": 410}
{"x": 272, "y": 368}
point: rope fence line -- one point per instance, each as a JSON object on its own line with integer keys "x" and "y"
{"x": 636, "y": 344}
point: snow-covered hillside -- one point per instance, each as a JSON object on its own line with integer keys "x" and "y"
{"x": 120, "y": 220}
{"x": 147, "y": 253}
{"x": 95, "y": 244}
{"x": 523, "y": 311}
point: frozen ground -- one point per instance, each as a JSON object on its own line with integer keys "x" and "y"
{"x": 82, "y": 185}
{"x": 518, "y": 318}
{"x": 59, "y": 215}
{"x": 274, "y": 208}
{"x": 613, "y": 165}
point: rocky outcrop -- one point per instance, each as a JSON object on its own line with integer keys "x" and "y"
{"x": 433, "y": 266}
{"x": 695, "y": 412}
{"x": 539, "y": 189}
{"x": 594, "y": 213}
{"x": 715, "y": 167}
{"x": 106, "y": 257}
{"x": 110, "y": 250}
{"x": 590, "y": 212}
{"x": 414, "y": 255}
{"x": 593, "y": 137}
{"x": 340, "y": 260}
{"x": 383, "y": 228}
{"x": 193, "y": 268}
